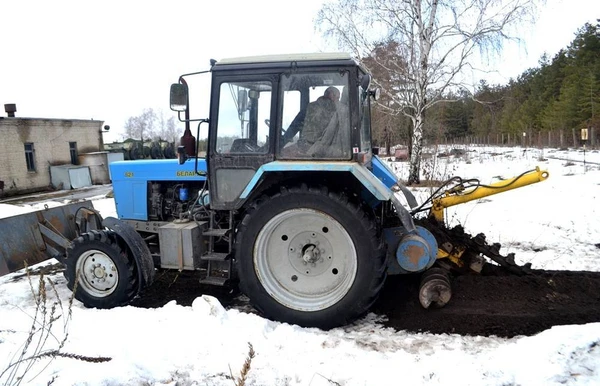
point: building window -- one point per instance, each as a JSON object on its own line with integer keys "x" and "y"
{"x": 30, "y": 156}
{"x": 73, "y": 152}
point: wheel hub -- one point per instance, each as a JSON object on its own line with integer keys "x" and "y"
{"x": 308, "y": 252}
{"x": 98, "y": 273}
{"x": 311, "y": 254}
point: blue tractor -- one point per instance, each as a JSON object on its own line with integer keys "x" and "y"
{"x": 305, "y": 219}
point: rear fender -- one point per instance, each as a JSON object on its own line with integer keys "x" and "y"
{"x": 361, "y": 173}
{"x": 138, "y": 248}
{"x": 376, "y": 186}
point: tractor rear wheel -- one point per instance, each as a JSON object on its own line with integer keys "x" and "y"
{"x": 310, "y": 257}
{"x": 104, "y": 272}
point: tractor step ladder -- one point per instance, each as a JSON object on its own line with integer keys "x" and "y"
{"x": 220, "y": 264}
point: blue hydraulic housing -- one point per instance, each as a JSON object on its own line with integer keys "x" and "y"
{"x": 412, "y": 252}
{"x": 417, "y": 252}
{"x": 130, "y": 182}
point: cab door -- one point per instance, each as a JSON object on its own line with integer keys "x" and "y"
{"x": 241, "y": 138}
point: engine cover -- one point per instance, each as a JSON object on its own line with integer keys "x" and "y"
{"x": 131, "y": 183}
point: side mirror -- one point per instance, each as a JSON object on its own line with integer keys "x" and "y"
{"x": 242, "y": 101}
{"x": 178, "y": 97}
{"x": 365, "y": 81}
{"x": 375, "y": 93}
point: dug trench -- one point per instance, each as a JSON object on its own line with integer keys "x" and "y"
{"x": 493, "y": 304}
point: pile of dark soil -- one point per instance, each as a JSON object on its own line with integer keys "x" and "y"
{"x": 501, "y": 305}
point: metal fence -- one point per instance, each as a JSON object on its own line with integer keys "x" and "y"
{"x": 552, "y": 138}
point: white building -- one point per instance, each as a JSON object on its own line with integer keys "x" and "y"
{"x": 29, "y": 147}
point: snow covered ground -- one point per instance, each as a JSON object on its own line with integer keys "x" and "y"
{"x": 553, "y": 225}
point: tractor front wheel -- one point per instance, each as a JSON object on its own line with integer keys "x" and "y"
{"x": 309, "y": 256}
{"x": 100, "y": 271}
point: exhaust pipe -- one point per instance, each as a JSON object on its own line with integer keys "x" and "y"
{"x": 10, "y": 109}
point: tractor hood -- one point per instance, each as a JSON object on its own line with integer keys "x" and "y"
{"x": 130, "y": 181}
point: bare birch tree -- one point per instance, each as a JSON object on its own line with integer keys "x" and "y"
{"x": 435, "y": 41}
{"x": 151, "y": 124}
{"x": 167, "y": 129}
{"x": 141, "y": 127}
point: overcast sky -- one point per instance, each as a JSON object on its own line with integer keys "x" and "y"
{"x": 108, "y": 60}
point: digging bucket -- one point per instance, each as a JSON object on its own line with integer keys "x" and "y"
{"x": 37, "y": 236}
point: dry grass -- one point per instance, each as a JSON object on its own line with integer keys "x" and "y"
{"x": 42, "y": 344}
{"x": 330, "y": 380}
{"x": 241, "y": 380}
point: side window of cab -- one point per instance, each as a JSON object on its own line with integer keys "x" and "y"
{"x": 243, "y": 117}
{"x": 315, "y": 117}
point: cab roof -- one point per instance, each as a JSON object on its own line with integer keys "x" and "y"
{"x": 286, "y": 60}
{"x": 316, "y": 56}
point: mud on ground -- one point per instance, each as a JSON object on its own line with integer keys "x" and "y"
{"x": 491, "y": 304}
{"x": 499, "y": 305}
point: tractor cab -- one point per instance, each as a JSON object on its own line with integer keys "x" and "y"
{"x": 287, "y": 108}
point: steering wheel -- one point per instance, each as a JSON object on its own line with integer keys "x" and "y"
{"x": 268, "y": 123}
{"x": 251, "y": 148}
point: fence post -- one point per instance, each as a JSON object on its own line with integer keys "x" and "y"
{"x": 562, "y": 138}
{"x": 531, "y": 138}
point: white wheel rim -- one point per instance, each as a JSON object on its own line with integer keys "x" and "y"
{"x": 305, "y": 259}
{"x": 98, "y": 275}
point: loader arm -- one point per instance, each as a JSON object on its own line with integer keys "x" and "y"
{"x": 461, "y": 194}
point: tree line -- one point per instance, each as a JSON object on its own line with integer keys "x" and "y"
{"x": 546, "y": 105}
